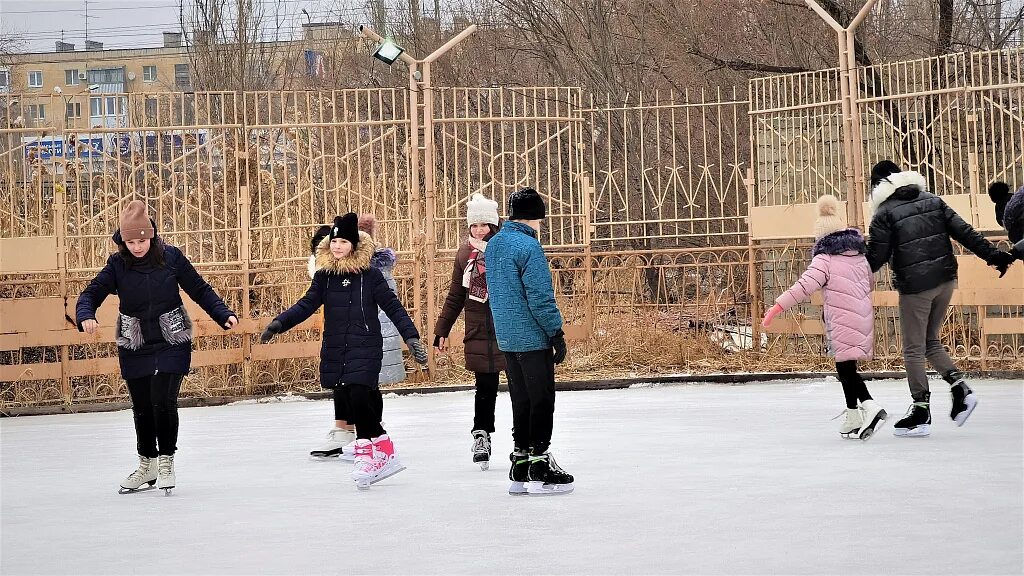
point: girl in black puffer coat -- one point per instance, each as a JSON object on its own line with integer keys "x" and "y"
{"x": 912, "y": 229}
{"x": 154, "y": 334}
{"x": 351, "y": 290}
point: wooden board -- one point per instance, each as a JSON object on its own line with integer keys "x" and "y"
{"x": 29, "y": 255}
{"x": 32, "y": 314}
{"x": 786, "y": 222}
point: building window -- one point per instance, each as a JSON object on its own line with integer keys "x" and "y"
{"x": 106, "y": 76}
{"x": 149, "y": 73}
{"x": 151, "y": 108}
{"x": 5, "y": 81}
{"x": 107, "y": 105}
{"x": 73, "y": 110}
{"x": 37, "y": 111}
{"x": 181, "y": 77}
{"x": 35, "y": 79}
{"x": 71, "y": 77}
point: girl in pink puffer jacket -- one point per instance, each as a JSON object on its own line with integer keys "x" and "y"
{"x": 840, "y": 270}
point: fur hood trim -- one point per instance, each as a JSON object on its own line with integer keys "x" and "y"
{"x": 356, "y": 262}
{"x": 894, "y": 182}
{"x": 849, "y": 240}
{"x": 383, "y": 258}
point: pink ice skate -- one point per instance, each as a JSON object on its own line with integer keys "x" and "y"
{"x": 375, "y": 461}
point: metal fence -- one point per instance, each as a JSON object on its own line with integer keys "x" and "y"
{"x": 673, "y": 219}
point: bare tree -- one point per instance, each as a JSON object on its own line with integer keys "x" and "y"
{"x": 232, "y": 45}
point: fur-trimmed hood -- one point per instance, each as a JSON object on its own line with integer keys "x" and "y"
{"x": 895, "y": 182}
{"x": 356, "y": 262}
{"x": 383, "y": 258}
{"x": 849, "y": 240}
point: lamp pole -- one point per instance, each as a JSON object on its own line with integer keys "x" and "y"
{"x": 421, "y": 152}
{"x": 853, "y": 143}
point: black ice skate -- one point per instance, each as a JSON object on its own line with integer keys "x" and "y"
{"x": 482, "y": 449}
{"x": 964, "y": 399}
{"x": 546, "y": 477}
{"x": 518, "y": 472}
{"x": 917, "y": 422}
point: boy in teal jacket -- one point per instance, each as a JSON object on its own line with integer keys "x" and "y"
{"x": 528, "y": 327}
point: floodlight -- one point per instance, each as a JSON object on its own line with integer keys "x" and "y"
{"x": 388, "y": 52}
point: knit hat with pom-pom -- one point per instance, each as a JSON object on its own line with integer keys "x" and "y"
{"x": 829, "y": 220}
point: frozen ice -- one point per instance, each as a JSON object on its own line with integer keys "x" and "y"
{"x": 695, "y": 478}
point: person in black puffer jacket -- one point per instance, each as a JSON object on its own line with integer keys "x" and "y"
{"x": 350, "y": 290}
{"x": 1010, "y": 214}
{"x": 911, "y": 230}
{"x": 154, "y": 334}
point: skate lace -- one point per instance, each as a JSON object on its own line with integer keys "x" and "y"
{"x": 372, "y": 463}
{"x": 481, "y": 444}
{"x": 140, "y": 472}
{"x": 166, "y": 466}
{"x": 553, "y": 466}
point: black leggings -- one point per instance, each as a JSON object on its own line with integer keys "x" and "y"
{"x": 155, "y": 410}
{"x": 486, "y": 397}
{"x": 853, "y": 385}
{"x": 362, "y": 406}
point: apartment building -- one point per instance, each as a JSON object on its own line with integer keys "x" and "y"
{"x": 81, "y": 89}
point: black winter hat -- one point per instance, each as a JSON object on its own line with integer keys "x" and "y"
{"x": 321, "y": 233}
{"x": 346, "y": 227}
{"x": 526, "y": 204}
{"x": 999, "y": 192}
{"x": 883, "y": 170}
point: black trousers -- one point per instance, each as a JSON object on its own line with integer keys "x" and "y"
{"x": 486, "y": 398}
{"x": 341, "y": 409}
{"x": 155, "y": 410}
{"x": 531, "y": 384}
{"x": 854, "y": 387}
{"x": 362, "y": 406}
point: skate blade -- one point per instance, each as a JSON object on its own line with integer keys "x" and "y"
{"x": 484, "y": 465}
{"x": 922, "y": 431}
{"x": 517, "y": 488}
{"x": 167, "y": 491}
{"x": 542, "y": 489}
{"x": 962, "y": 417}
{"x": 123, "y": 490}
{"x": 322, "y": 457}
{"x": 365, "y": 483}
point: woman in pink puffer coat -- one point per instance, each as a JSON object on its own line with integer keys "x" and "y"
{"x": 840, "y": 270}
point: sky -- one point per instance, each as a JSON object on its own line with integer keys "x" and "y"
{"x": 129, "y": 24}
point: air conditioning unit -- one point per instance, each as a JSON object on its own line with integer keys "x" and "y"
{"x": 82, "y": 76}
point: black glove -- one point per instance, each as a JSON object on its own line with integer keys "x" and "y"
{"x": 270, "y": 331}
{"x": 419, "y": 353}
{"x": 1001, "y": 261}
{"x": 558, "y": 344}
{"x": 1018, "y": 250}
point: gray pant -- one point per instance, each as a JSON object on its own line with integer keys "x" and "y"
{"x": 921, "y": 317}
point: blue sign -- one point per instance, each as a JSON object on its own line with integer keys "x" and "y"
{"x": 55, "y": 147}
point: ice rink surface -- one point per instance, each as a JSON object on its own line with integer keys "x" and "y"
{"x": 709, "y": 479}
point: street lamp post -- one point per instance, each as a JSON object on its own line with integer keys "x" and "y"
{"x": 853, "y": 143}
{"x": 421, "y": 153}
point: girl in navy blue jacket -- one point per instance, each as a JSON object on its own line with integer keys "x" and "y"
{"x": 350, "y": 289}
{"x": 154, "y": 334}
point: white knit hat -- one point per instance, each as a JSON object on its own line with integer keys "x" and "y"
{"x": 481, "y": 210}
{"x": 829, "y": 220}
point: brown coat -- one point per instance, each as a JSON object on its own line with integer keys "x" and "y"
{"x": 482, "y": 354}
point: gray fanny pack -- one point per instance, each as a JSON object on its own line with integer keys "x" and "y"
{"x": 175, "y": 326}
